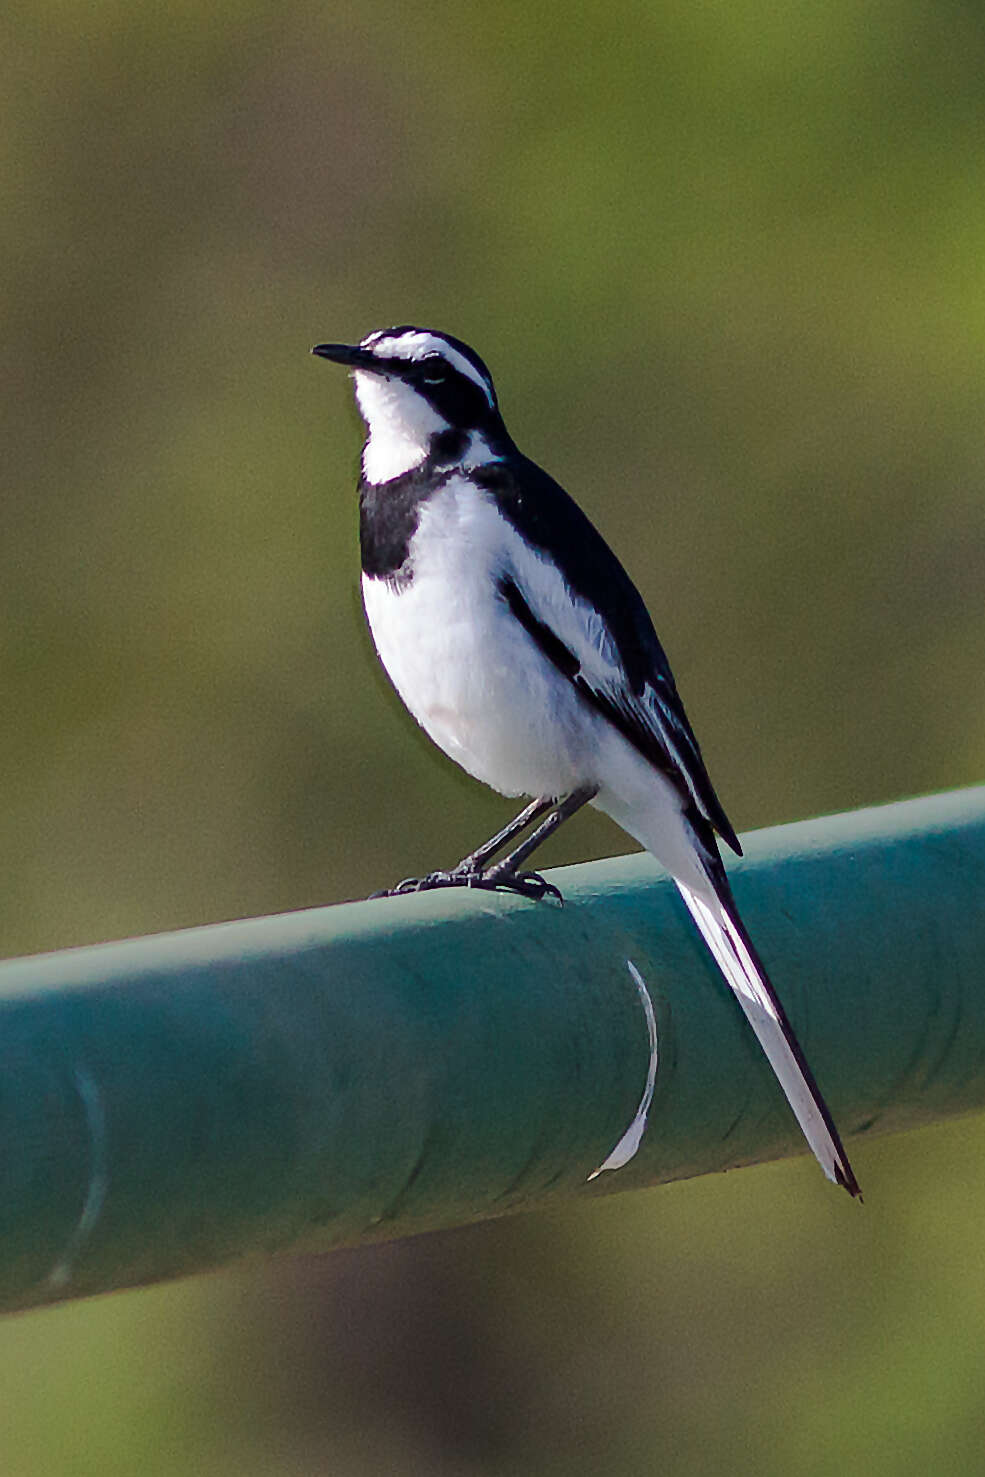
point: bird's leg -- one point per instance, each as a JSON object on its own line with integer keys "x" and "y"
{"x": 506, "y": 874}
{"x": 468, "y": 872}
{"x": 476, "y": 860}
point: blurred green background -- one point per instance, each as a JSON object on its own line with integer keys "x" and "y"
{"x": 727, "y": 263}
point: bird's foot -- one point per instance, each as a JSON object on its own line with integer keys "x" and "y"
{"x": 427, "y": 884}
{"x": 526, "y": 884}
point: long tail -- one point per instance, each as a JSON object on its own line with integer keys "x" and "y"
{"x": 723, "y": 931}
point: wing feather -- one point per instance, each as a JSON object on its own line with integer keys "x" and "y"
{"x": 575, "y": 599}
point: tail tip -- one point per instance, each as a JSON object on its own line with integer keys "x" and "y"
{"x": 846, "y": 1179}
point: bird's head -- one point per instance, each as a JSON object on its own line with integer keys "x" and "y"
{"x": 414, "y": 386}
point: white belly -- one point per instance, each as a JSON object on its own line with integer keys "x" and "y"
{"x": 465, "y": 667}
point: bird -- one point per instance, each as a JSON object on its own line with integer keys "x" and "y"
{"x": 521, "y": 646}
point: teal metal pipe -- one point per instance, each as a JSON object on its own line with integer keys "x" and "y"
{"x": 173, "y": 1103}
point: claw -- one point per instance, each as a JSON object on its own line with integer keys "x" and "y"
{"x": 526, "y": 884}
{"x": 537, "y": 887}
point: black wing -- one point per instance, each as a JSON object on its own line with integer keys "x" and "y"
{"x": 603, "y": 641}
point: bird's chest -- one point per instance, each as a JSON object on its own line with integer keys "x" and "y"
{"x": 444, "y": 632}
{"x": 434, "y": 609}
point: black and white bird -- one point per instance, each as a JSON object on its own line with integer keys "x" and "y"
{"x": 519, "y": 643}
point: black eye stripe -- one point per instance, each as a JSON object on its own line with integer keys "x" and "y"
{"x": 452, "y": 392}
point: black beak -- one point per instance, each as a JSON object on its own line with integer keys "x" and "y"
{"x": 350, "y": 355}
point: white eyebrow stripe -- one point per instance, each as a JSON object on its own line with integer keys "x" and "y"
{"x": 417, "y": 346}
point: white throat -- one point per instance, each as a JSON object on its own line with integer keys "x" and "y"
{"x": 399, "y": 424}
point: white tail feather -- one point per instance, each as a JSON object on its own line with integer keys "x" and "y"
{"x": 756, "y": 997}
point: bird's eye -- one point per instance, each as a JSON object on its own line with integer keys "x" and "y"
{"x": 432, "y": 371}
